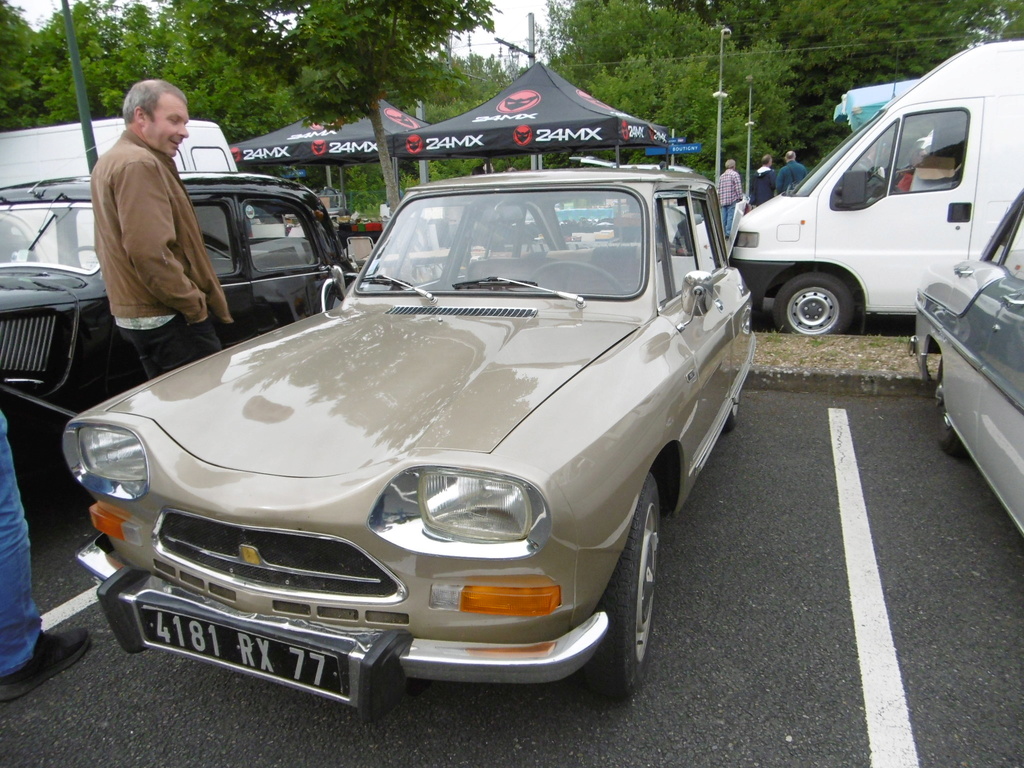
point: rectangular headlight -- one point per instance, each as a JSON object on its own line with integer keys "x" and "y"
{"x": 107, "y": 459}
{"x": 747, "y": 239}
{"x": 477, "y": 507}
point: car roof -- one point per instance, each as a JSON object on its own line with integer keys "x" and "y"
{"x": 77, "y": 189}
{"x": 569, "y": 176}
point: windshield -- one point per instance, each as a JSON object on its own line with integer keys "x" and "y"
{"x": 584, "y": 242}
{"x": 821, "y": 170}
{"x": 47, "y": 235}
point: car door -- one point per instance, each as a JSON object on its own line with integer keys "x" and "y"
{"x": 691, "y": 241}
{"x": 279, "y": 239}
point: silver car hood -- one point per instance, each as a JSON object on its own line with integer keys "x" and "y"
{"x": 352, "y": 388}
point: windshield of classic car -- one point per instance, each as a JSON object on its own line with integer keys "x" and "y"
{"x": 584, "y": 242}
{"x": 52, "y": 236}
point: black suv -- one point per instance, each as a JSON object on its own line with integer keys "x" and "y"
{"x": 271, "y": 243}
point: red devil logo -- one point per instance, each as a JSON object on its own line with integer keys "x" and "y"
{"x": 414, "y": 144}
{"x": 592, "y": 100}
{"x": 319, "y": 147}
{"x": 624, "y": 130}
{"x": 522, "y": 135}
{"x": 237, "y": 154}
{"x": 398, "y": 117}
{"x": 519, "y": 102}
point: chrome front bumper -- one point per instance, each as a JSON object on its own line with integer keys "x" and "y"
{"x": 378, "y": 661}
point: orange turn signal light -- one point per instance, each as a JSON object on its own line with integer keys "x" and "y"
{"x": 108, "y": 519}
{"x": 511, "y": 601}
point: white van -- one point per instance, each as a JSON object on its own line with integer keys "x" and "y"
{"x": 58, "y": 151}
{"x": 927, "y": 179}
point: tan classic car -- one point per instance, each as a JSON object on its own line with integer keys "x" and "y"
{"x": 460, "y": 473}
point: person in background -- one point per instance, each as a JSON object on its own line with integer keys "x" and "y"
{"x": 763, "y": 188}
{"x": 730, "y": 192}
{"x": 791, "y": 174}
{"x": 28, "y": 656}
{"x": 160, "y": 283}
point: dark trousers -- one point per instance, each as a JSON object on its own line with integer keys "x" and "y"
{"x": 172, "y": 344}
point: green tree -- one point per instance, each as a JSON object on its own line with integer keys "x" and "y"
{"x": 341, "y": 59}
{"x": 15, "y": 37}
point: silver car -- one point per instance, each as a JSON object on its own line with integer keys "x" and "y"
{"x": 460, "y": 473}
{"x": 972, "y": 313}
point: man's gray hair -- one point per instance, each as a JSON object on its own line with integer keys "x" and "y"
{"x": 730, "y": 163}
{"x": 145, "y": 94}
{"x": 791, "y": 155}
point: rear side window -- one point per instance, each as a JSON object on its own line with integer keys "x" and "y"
{"x": 214, "y": 221}
{"x": 278, "y": 236}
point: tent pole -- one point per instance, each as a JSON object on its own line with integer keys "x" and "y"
{"x": 617, "y": 158}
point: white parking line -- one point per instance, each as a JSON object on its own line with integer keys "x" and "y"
{"x": 889, "y": 733}
{"x": 68, "y": 609}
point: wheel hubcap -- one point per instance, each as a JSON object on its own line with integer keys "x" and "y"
{"x": 645, "y": 587}
{"x": 814, "y": 311}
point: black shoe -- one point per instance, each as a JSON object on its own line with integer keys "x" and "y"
{"x": 55, "y": 652}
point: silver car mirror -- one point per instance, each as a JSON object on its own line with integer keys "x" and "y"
{"x": 697, "y": 295}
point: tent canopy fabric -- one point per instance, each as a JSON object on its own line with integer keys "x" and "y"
{"x": 304, "y": 144}
{"x": 540, "y": 112}
{"x": 860, "y": 104}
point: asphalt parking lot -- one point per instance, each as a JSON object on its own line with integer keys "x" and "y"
{"x": 775, "y": 645}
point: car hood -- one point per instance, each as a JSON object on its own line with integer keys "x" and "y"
{"x": 355, "y": 387}
{"x": 30, "y": 288}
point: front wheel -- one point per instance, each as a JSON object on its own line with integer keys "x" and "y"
{"x": 617, "y": 669}
{"x": 813, "y": 304}
{"x": 949, "y": 440}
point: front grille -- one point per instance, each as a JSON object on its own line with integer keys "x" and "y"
{"x": 278, "y": 559}
{"x": 465, "y": 311}
{"x": 25, "y": 343}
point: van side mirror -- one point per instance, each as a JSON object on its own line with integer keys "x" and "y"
{"x": 851, "y": 193}
{"x": 697, "y": 295}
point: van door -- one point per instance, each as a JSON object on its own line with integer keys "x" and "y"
{"x": 906, "y": 201}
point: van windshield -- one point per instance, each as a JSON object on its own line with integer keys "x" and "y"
{"x": 51, "y": 236}
{"x": 805, "y": 187}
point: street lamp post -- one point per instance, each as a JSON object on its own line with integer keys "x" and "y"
{"x": 725, "y": 32}
{"x": 750, "y": 124}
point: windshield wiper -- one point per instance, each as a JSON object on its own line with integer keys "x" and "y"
{"x": 382, "y": 279}
{"x": 41, "y": 232}
{"x": 491, "y": 281}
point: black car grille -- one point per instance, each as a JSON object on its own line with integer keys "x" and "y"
{"x": 25, "y": 343}
{"x": 282, "y": 560}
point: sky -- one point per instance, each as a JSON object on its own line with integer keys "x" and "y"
{"x": 510, "y": 24}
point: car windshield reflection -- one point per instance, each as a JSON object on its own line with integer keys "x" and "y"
{"x": 49, "y": 236}
{"x": 507, "y": 243}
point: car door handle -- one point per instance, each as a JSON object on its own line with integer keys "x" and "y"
{"x": 963, "y": 270}
{"x": 1014, "y": 300}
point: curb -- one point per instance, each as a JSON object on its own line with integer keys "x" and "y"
{"x": 837, "y": 382}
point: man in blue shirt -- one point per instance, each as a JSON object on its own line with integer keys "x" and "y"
{"x": 792, "y": 173}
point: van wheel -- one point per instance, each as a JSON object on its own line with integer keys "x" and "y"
{"x": 949, "y": 440}
{"x": 617, "y": 668}
{"x": 813, "y": 304}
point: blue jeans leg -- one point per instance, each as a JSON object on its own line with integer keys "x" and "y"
{"x": 19, "y": 620}
{"x": 727, "y": 214}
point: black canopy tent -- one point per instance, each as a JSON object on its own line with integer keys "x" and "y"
{"x": 304, "y": 144}
{"x": 540, "y": 112}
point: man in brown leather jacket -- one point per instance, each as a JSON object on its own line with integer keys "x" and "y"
{"x": 160, "y": 283}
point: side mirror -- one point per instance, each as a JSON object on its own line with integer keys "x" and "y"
{"x": 338, "y": 278}
{"x": 852, "y": 191}
{"x": 697, "y": 295}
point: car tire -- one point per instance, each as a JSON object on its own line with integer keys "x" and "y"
{"x": 813, "y": 304}
{"x": 733, "y": 417}
{"x": 617, "y": 668}
{"x": 949, "y": 440}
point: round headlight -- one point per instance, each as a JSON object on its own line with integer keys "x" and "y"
{"x": 476, "y": 507}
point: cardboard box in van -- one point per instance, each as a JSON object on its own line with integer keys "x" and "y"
{"x": 58, "y": 151}
{"x": 926, "y": 180}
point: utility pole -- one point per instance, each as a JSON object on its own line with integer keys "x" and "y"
{"x": 535, "y": 160}
{"x": 750, "y": 124}
{"x": 80, "y": 95}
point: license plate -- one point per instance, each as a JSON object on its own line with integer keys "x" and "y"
{"x": 249, "y": 651}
